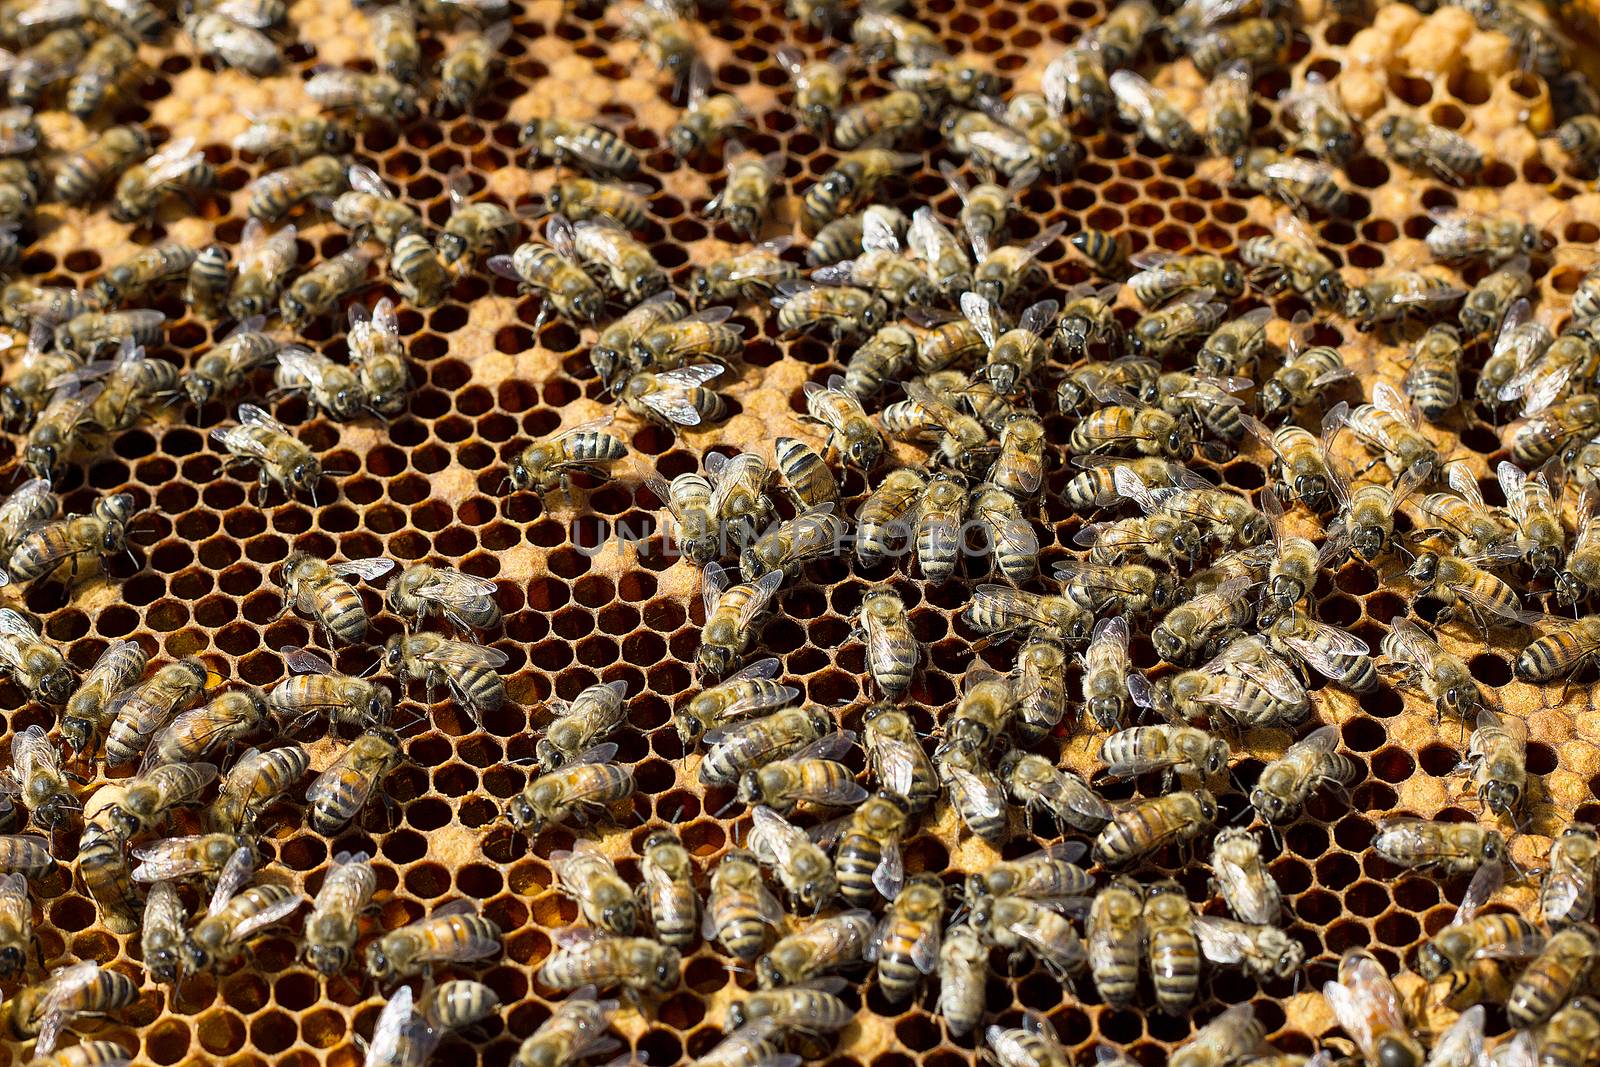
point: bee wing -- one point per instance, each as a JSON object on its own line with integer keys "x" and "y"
{"x": 238, "y": 870}
{"x": 1486, "y": 882}
{"x": 1223, "y": 941}
{"x": 56, "y": 1008}
{"x": 878, "y": 230}
{"x": 1462, "y": 1043}
{"x": 601, "y": 753}
{"x": 160, "y": 860}
{"x": 771, "y": 835}
{"x": 305, "y": 661}
{"x": 453, "y": 589}
{"x": 390, "y": 1030}
{"x": 1513, "y": 483}
{"x": 896, "y": 762}
{"x": 1320, "y": 645}
{"x": 765, "y": 589}
{"x": 1459, "y": 477}
{"x": 17, "y": 627}
{"x": 1038, "y": 318}
{"x": 364, "y": 179}
{"x": 982, "y": 795}
{"x": 32, "y": 748}
{"x": 889, "y": 876}
{"x": 364, "y": 568}
{"x": 465, "y": 654}
{"x": 358, "y": 787}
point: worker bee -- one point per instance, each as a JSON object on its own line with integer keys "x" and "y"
{"x": 1289, "y": 258}
{"x": 394, "y": 42}
{"x": 1020, "y": 924}
{"x": 222, "y": 722}
{"x": 1471, "y": 935}
{"x": 33, "y": 664}
{"x": 1172, "y": 946}
{"x": 1389, "y": 427}
{"x": 232, "y": 44}
{"x": 846, "y": 310}
{"x": 1159, "y": 333}
{"x": 744, "y": 746}
{"x": 223, "y": 368}
{"x": 468, "y": 671}
{"x": 1581, "y": 572}
{"x": 739, "y": 909}
{"x": 150, "y": 705}
{"x": 145, "y": 271}
{"x": 36, "y": 777}
{"x": 1431, "y": 149}
{"x": 998, "y": 609}
{"x": 818, "y": 85}
{"x": 809, "y": 535}
{"x": 595, "y": 148}
{"x": 177, "y": 169}
{"x": 373, "y": 96}
{"x": 1566, "y": 893}
{"x": 197, "y": 855}
{"x": 1304, "y": 185}
{"x": 676, "y": 397}
{"x": 1458, "y": 235}
{"x": 1006, "y": 270}
{"x": 340, "y": 792}
{"x": 1051, "y": 145}
{"x": 1450, "y": 847}
{"x": 906, "y": 943}
{"x": 708, "y": 119}
{"x": 1087, "y": 318}
{"x": 1038, "y": 785}
{"x": 333, "y": 925}
{"x": 585, "y": 957}
{"x": 825, "y": 945}
{"x": 1555, "y": 429}
{"x": 613, "y": 352}
{"x": 896, "y": 757}
{"x": 1228, "y": 118}
{"x": 323, "y": 592}
{"x": 319, "y": 690}
{"x": 1131, "y": 587}
{"x": 750, "y": 274}
{"x": 868, "y": 861}
{"x": 850, "y": 432}
{"x": 943, "y": 258}
{"x": 423, "y": 591}
{"x": 254, "y": 783}
{"x": 853, "y": 179}
{"x": 881, "y": 32}
{"x": 732, "y": 612}
{"x": 102, "y": 862}
{"x": 1242, "y": 880}
{"x": 1007, "y": 533}
{"x": 575, "y": 1029}
{"x": 1013, "y": 353}
{"x": 593, "y": 715}
{"x": 319, "y": 290}
{"x": 548, "y": 464}
{"x": 234, "y": 916}
{"x": 1288, "y": 781}
{"x": 1163, "y": 747}
{"x": 162, "y": 934}
{"x": 607, "y": 248}
{"x": 1145, "y": 826}
{"x": 50, "y": 59}
{"x": 1368, "y": 1007}
{"x": 813, "y": 1009}
{"x": 1148, "y": 108}
{"x": 604, "y": 900}
{"x": 473, "y": 227}
{"x": 749, "y": 691}
{"x": 74, "y": 546}
{"x": 882, "y": 522}
{"x": 43, "y": 1010}
{"x": 813, "y": 775}
{"x": 553, "y": 271}
{"x": 207, "y": 281}
{"x": 1467, "y": 588}
{"x": 1163, "y": 275}
{"x": 1302, "y": 379}
{"x": 1127, "y": 426}
{"x": 156, "y": 792}
{"x": 297, "y": 137}
{"x": 82, "y": 175}
{"x": 33, "y": 380}
{"x": 1489, "y": 308}
{"x": 944, "y": 78}
{"x": 453, "y": 933}
{"x": 371, "y": 207}
{"x": 1320, "y": 120}
{"x": 331, "y": 387}
{"x": 276, "y": 193}
{"x": 1259, "y": 42}
{"x": 1531, "y": 505}
{"x": 1075, "y": 81}
{"x": 92, "y": 706}
{"x": 1561, "y": 968}
{"x": 668, "y": 889}
{"x": 881, "y": 267}
{"x": 800, "y": 865}
{"x": 1563, "y": 650}
{"x": 841, "y": 239}
{"x": 19, "y": 130}
{"x": 1115, "y": 931}
{"x": 1263, "y": 950}
{"x": 584, "y": 786}
{"x": 970, "y": 786}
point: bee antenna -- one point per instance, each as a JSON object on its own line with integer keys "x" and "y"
{"x": 729, "y": 806}
{"x": 372, "y": 669}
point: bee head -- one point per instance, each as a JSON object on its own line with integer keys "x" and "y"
{"x": 1426, "y": 568}
{"x": 294, "y": 309}
{"x": 588, "y": 305}
{"x": 1394, "y": 1052}
{"x": 1272, "y": 808}
{"x": 378, "y": 965}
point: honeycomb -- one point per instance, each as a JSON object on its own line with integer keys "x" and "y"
{"x": 580, "y": 608}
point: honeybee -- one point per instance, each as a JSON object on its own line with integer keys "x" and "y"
{"x": 585, "y": 786}
{"x": 82, "y": 175}
{"x": 1566, "y": 1039}
{"x": 739, "y": 909}
{"x": 1260, "y": 42}
{"x": 825, "y": 945}
{"x": 896, "y": 757}
{"x": 677, "y": 397}
{"x": 223, "y": 368}
{"x": 850, "y": 432}
{"x": 32, "y": 383}
{"x": 1388, "y": 426}
{"x": 1427, "y": 148}
{"x": 1131, "y": 587}
{"x": 1336, "y": 654}
{"x": 1551, "y": 430}
{"x": 51, "y": 58}
{"x": 1531, "y": 503}
{"x": 1034, "y": 1045}
{"x": 373, "y": 96}
{"x": 613, "y": 351}
{"x": 73, "y": 546}
{"x": 254, "y": 783}
{"x": 881, "y": 268}
{"x": 156, "y": 792}
{"x": 43, "y": 1010}
{"x": 297, "y": 137}
{"x": 665, "y": 345}
{"x": 1322, "y": 124}
{"x": 846, "y": 310}
{"x": 1138, "y": 750}
{"x": 1163, "y": 275}
{"x": 340, "y": 792}
{"x": 906, "y": 943}
{"x": 1115, "y": 931}
{"x": 323, "y": 592}
{"x": 85, "y": 1054}
{"x": 812, "y": 1009}
{"x": 1467, "y": 588}
{"x": 943, "y": 258}
{"x": 1471, "y": 935}
{"x": 1006, "y": 270}
{"x": 668, "y": 889}
{"x": 744, "y": 275}
{"x": 1303, "y": 379}
{"x": 590, "y": 718}
{"x": 749, "y": 691}
{"x": 1263, "y": 950}
{"x": 331, "y": 387}
{"x": 576, "y": 1028}
{"x": 150, "y": 705}
{"x": 319, "y": 290}
{"x": 162, "y": 934}
{"x": 1051, "y": 145}
{"x": 202, "y": 855}
{"x": 1145, "y": 826}
{"x": 972, "y": 790}
{"x": 1566, "y": 893}
{"x": 1241, "y": 878}
{"x": 276, "y": 193}
{"x": 142, "y": 272}
{"x": 585, "y": 957}
{"x": 1191, "y": 627}
{"x": 394, "y": 42}
{"x": 881, "y": 31}
{"x": 1459, "y": 235}
{"x": 473, "y": 227}
{"x": 103, "y": 864}
{"x": 36, "y": 777}
{"x": 595, "y": 148}
{"x": 998, "y": 609}
{"x": 926, "y": 414}
{"x": 813, "y": 775}
{"x": 853, "y": 179}
{"x": 588, "y": 876}
{"x": 371, "y": 207}
{"x": 1007, "y": 532}
{"x": 234, "y": 915}
{"x": 732, "y": 612}
{"x": 232, "y": 44}
{"x": 1013, "y": 353}
{"x": 208, "y": 280}
{"x": 1560, "y": 970}
{"x": 1040, "y": 686}
{"x": 177, "y": 168}
{"x": 1289, "y": 258}
{"x": 1087, "y": 318}
{"x": 1172, "y": 946}
{"x": 1148, "y": 108}
{"x": 549, "y": 463}
{"x": 453, "y": 933}
{"x": 800, "y": 865}
{"x": 1303, "y": 185}
{"x": 1450, "y": 847}
{"x": 1368, "y": 1007}
{"x": 223, "y": 721}
{"x": 1581, "y": 572}
{"x": 1020, "y": 924}
{"x": 708, "y": 119}
{"x": 666, "y": 34}
{"x": 1561, "y": 651}
{"x": 1038, "y": 785}
{"x": 841, "y": 239}
{"x": 92, "y": 706}
{"x": 1496, "y": 303}
{"x": 1075, "y": 81}
{"x": 466, "y": 669}
{"x": 333, "y": 925}
{"x": 882, "y": 520}
{"x": 1288, "y": 781}
{"x": 607, "y": 248}
{"x": 1228, "y": 119}
{"x": 318, "y": 689}
{"x": 1159, "y": 333}
{"x": 33, "y": 664}
{"x": 553, "y": 271}
{"x": 818, "y": 85}
{"x": 19, "y": 131}
{"x": 741, "y": 747}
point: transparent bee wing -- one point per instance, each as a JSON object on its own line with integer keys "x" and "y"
{"x": 889, "y": 876}
{"x": 1486, "y": 882}
{"x": 1321, "y": 646}
{"x": 364, "y": 179}
{"x": 32, "y": 748}
{"x": 980, "y": 798}
{"x": 1038, "y": 318}
{"x": 56, "y": 1010}
{"x": 305, "y": 661}
{"x": 164, "y": 859}
{"x": 241, "y": 866}
{"x": 1513, "y": 483}
{"x": 388, "y": 1034}
{"x": 765, "y": 589}
{"x": 363, "y": 568}
{"x": 465, "y": 654}
{"x": 453, "y": 589}
{"x": 336, "y": 784}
